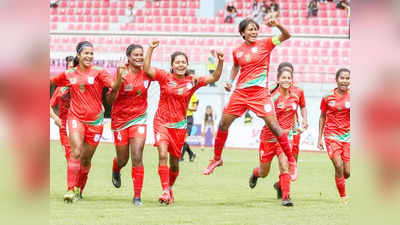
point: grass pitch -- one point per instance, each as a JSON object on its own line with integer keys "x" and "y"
{"x": 221, "y": 198}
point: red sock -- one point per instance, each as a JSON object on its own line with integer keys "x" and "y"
{"x": 284, "y": 143}
{"x": 172, "y": 177}
{"x": 137, "y": 177}
{"x": 74, "y": 166}
{"x": 341, "y": 186}
{"x": 284, "y": 180}
{"x": 256, "y": 171}
{"x": 83, "y": 176}
{"x": 163, "y": 171}
{"x": 220, "y": 140}
{"x": 116, "y": 168}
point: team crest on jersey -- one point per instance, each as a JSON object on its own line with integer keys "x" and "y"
{"x": 180, "y": 91}
{"x": 172, "y": 83}
{"x": 347, "y": 105}
{"x": 189, "y": 86}
{"x": 247, "y": 57}
{"x": 128, "y": 87}
{"x": 146, "y": 84}
{"x": 90, "y": 80}
{"x": 239, "y": 54}
{"x": 73, "y": 80}
{"x": 254, "y": 49}
{"x": 268, "y": 108}
{"x": 331, "y": 103}
{"x": 280, "y": 105}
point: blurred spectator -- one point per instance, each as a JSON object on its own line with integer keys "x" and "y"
{"x": 130, "y": 14}
{"x": 274, "y": 9}
{"x": 211, "y": 65}
{"x": 261, "y": 12}
{"x": 231, "y": 13}
{"x": 54, "y": 3}
{"x": 343, "y": 4}
{"x": 313, "y": 8}
{"x": 208, "y": 125}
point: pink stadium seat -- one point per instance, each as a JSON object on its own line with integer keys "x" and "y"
{"x": 316, "y": 30}
{"x": 314, "y": 52}
{"x": 284, "y": 6}
{"x": 304, "y": 22}
{"x": 182, "y": 12}
{"x": 158, "y": 28}
{"x": 304, "y": 14}
{"x": 97, "y": 19}
{"x": 322, "y": 14}
{"x": 174, "y": 12}
{"x": 97, "y": 4}
{"x": 96, "y": 12}
{"x": 326, "y": 44}
{"x": 89, "y": 19}
{"x": 113, "y": 12}
{"x": 345, "y": 53}
{"x": 294, "y": 52}
{"x": 346, "y": 44}
{"x": 167, "y": 28}
{"x": 336, "y": 31}
{"x": 114, "y": 19}
{"x": 104, "y": 12}
{"x": 176, "y": 20}
{"x": 334, "y": 22}
{"x": 148, "y": 19}
{"x": 324, "y": 22}
{"x": 174, "y": 4}
{"x": 165, "y": 12}
{"x": 139, "y": 12}
{"x": 344, "y": 22}
{"x": 105, "y": 19}
{"x": 140, "y": 19}
{"x": 326, "y": 30}
{"x": 295, "y": 21}
{"x": 167, "y": 19}
{"x": 335, "y": 53}
{"x": 148, "y": 27}
{"x": 203, "y": 21}
{"x": 192, "y": 12}
{"x": 332, "y": 13}
{"x": 285, "y": 14}
{"x": 147, "y": 12}
{"x": 156, "y": 12}
{"x": 182, "y": 5}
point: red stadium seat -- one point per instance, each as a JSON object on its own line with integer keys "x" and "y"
{"x": 167, "y": 20}
{"x": 174, "y": 12}
{"x": 322, "y": 14}
{"x": 333, "y": 22}
{"x": 182, "y": 12}
{"x": 147, "y": 12}
{"x": 148, "y": 19}
{"x": 165, "y": 4}
{"x": 174, "y": 4}
{"x": 156, "y": 12}
{"x": 192, "y": 12}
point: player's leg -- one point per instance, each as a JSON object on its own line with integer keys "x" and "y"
{"x": 266, "y": 154}
{"x": 137, "y": 146}
{"x": 295, "y": 148}
{"x": 76, "y": 139}
{"x": 219, "y": 143}
{"x": 284, "y": 179}
{"x": 346, "y": 160}
{"x": 173, "y": 173}
{"x": 121, "y": 142}
{"x": 273, "y": 125}
{"x": 339, "y": 175}
{"x": 92, "y": 139}
{"x": 163, "y": 170}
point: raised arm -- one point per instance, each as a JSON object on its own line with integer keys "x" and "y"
{"x": 234, "y": 72}
{"x": 217, "y": 73}
{"x": 147, "y": 60}
{"x": 322, "y": 120}
{"x": 121, "y": 71}
{"x": 284, "y": 33}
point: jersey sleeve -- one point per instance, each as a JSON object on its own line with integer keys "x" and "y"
{"x": 106, "y": 78}
{"x": 272, "y": 42}
{"x": 235, "y": 59}
{"x": 302, "y": 100}
{"x": 202, "y": 82}
{"x": 323, "y": 106}
{"x": 55, "y": 98}
{"x": 161, "y": 76}
{"x": 60, "y": 80}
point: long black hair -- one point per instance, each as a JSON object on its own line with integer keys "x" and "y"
{"x": 244, "y": 23}
{"x": 68, "y": 59}
{"x": 174, "y": 55}
{"x": 79, "y": 48}
{"x": 341, "y": 70}
{"x": 279, "y": 75}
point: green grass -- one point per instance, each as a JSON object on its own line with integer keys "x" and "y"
{"x": 221, "y": 198}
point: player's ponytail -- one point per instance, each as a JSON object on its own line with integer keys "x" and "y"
{"x": 279, "y": 75}
{"x": 174, "y": 55}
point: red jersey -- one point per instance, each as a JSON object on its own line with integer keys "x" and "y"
{"x": 175, "y": 96}
{"x": 61, "y": 97}
{"x": 253, "y": 60}
{"x": 337, "y": 110}
{"x": 86, "y": 92}
{"x": 285, "y": 110}
{"x": 130, "y": 105}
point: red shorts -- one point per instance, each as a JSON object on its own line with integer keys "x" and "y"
{"x": 174, "y": 137}
{"x": 91, "y": 133}
{"x": 296, "y": 144}
{"x": 256, "y": 99}
{"x": 64, "y": 138}
{"x": 268, "y": 150}
{"x": 122, "y": 137}
{"x": 334, "y": 147}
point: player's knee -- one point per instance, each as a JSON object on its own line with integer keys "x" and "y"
{"x": 137, "y": 161}
{"x": 338, "y": 171}
{"x": 263, "y": 173}
{"x": 346, "y": 175}
{"x": 174, "y": 167}
{"x": 85, "y": 161}
{"x": 122, "y": 162}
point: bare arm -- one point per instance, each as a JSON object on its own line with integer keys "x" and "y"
{"x": 217, "y": 73}
{"x": 234, "y": 72}
{"x": 55, "y": 117}
{"x": 304, "y": 122}
{"x": 147, "y": 60}
{"x": 121, "y": 71}
{"x": 284, "y": 32}
{"x": 322, "y": 120}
